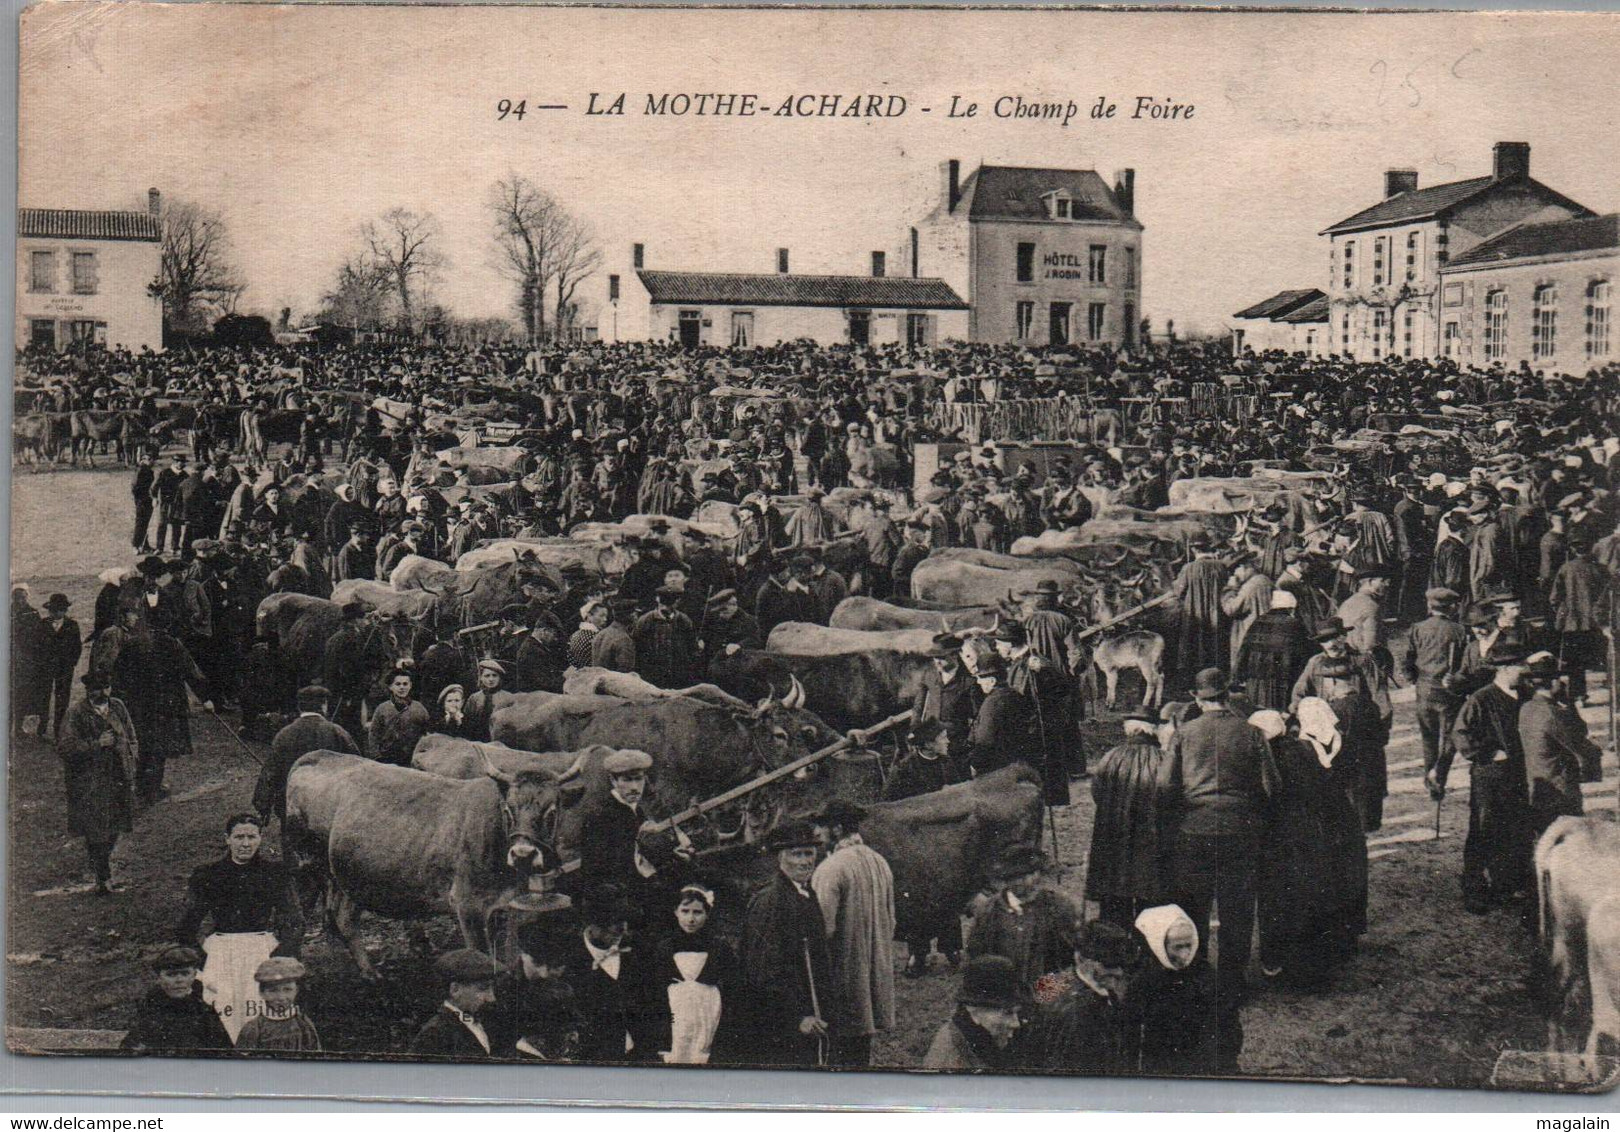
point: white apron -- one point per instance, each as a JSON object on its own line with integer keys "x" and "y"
{"x": 227, "y": 975}
{"x": 695, "y": 1012}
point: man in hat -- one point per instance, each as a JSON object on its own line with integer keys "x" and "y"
{"x": 1496, "y": 856}
{"x": 1218, "y": 777}
{"x": 726, "y": 624}
{"x": 1487, "y": 557}
{"x": 1558, "y": 752}
{"x": 1050, "y": 691}
{"x": 1449, "y": 570}
{"x": 479, "y": 708}
{"x": 602, "y": 972}
{"x": 1122, "y": 869}
{"x": 57, "y": 648}
{"x": 950, "y": 697}
{"x": 1580, "y": 592}
{"x": 1003, "y": 731}
{"x": 1063, "y": 505}
{"x": 1245, "y": 597}
{"x": 172, "y": 1017}
{"x": 666, "y": 642}
{"x": 856, "y": 889}
{"x": 1414, "y": 543}
{"x": 883, "y": 542}
{"x": 456, "y": 1030}
{"x": 100, "y": 752}
{"x": 1196, "y": 598}
{"x": 612, "y": 647}
{"x": 410, "y": 542}
{"x": 166, "y": 494}
{"x": 812, "y": 523}
{"x": 1358, "y": 691}
{"x": 1028, "y": 921}
{"x": 980, "y": 1034}
{"x": 355, "y": 560}
{"x": 1083, "y": 1020}
{"x": 785, "y": 595}
{"x": 827, "y": 586}
{"x": 786, "y": 971}
{"x": 1433, "y": 664}
{"x": 141, "y": 492}
{"x": 311, "y": 731}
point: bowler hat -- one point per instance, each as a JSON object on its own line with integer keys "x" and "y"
{"x": 605, "y": 905}
{"x": 1211, "y": 684}
{"x": 627, "y": 762}
{"x": 464, "y": 965}
{"x": 55, "y": 602}
{"x": 1329, "y": 629}
{"x": 1016, "y": 861}
{"x": 794, "y": 833}
{"x": 944, "y": 645}
{"x": 990, "y": 980}
{"x": 176, "y": 959}
{"x": 840, "y": 811}
{"x": 1504, "y": 653}
{"x": 1046, "y": 586}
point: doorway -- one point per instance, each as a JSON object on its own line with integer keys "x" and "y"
{"x": 1058, "y": 326}
{"x": 42, "y": 333}
{"x": 860, "y": 327}
{"x": 691, "y": 323}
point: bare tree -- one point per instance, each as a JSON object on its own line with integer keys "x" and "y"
{"x": 359, "y": 295}
{"x": 198, "y": 280}
{"x": 538, "y": 245}
{"x": 403, "y": 248}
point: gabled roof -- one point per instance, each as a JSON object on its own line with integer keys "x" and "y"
{"x": 1010, "y": 192}
{"x": 75, "y": 224}
{"x": 1549, "y": 238}
{"x": 1283, "y": 302}
{"x": 800, "y": 290}
{"x": 1419, "y": 204}
{"x": 1314, "y": 311}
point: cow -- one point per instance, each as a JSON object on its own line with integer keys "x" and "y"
{"x": 403, "y": 843}
{"x": 41, "y": 435}
{"x": 418, "y": 605}
{"x": 512, "y": 461}
{"x": 957, "y": 583}
{"x": 258, "y": 429}
{"x": 700, "y": 749}
{"x": 479, "y": 596}
{"x": 994, "y": 561}
{"x": 601, "y": 560}
{"x": 1578, "y": 872}
{"x": 1139, "y": 649}
{"x": 628, "y": 686}
{"x": 848, "y": 686}
{"x": 869, "y": 613}
{"x": 301, "y": 624}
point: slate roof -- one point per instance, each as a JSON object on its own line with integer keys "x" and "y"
{"x": 1314, "y": 311}
{"x": 1283, "y": 302}
{"x": 1011, "y": 192}
{"x": 1420, "y": 204}
{"x": 75, "y": 224}
{"x": 799, "y": 290}
{"x": 1553, "y": 237}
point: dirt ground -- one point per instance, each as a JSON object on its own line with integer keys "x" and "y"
{"x": 1432, "y": 998}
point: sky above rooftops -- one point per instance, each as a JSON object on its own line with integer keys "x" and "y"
{"x": 298, "y": 123}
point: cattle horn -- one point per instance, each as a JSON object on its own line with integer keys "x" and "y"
{"x": 795, "y": 697}
{"x": 492, "y": 770}
{"x": 573, "y": 772}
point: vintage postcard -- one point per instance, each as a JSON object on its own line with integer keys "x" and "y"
{"x": 1047, "y": 541}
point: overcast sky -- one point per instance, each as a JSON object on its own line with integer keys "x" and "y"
{"x": 300, "y": 123}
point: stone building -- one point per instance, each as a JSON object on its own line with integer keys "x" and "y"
{"x": 1295, "y": 321}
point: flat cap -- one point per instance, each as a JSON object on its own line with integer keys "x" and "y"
{"x": 177, "y": 958}
{"x": 464, "y": 965}
{"x": 719, "y": 598}
{"x": 312, "y": 696}
{"x": 492, "y": 665}
{"x": 1441, "y": 595}
{"x": 279, "y": 969}
{"x": 627, "y": 762}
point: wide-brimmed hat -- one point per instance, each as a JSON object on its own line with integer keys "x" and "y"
{"x": 1046, "y": 587}
{"x": 1105, "y": 943}
{"x": 1329, "y": 629}
{"x": 990, "y": 980}
{"x": 944, "y": 645}
{"x": 839, "y": 811}
{"x": 1504, "y": 653}
{"x": 1211, "y": 684}
{"x": 1375, "y": 570}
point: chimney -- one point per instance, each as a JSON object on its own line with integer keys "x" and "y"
{"x": 781, "y": 261}
{"x": 878, "y": 264}
{"x": 1512, "y": 159}
{"x": 1398, "y": 181}
{"x": 638, "y": 255}
{"x": 154, "y": 202}
{"x": 951, "y": 192}
{"x": 1125, "y": 190}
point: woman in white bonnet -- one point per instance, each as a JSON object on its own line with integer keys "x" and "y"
{"x": 1174, "y": 1012}
{"x": 1312, "y": 881}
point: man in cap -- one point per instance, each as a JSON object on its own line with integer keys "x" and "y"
{"x": 913, "y": 550}
{"x": 172, "y": 1017}
{"x": 666, "y": 642}
{"x": 141, "y": 491}
{"x": 726, "y": 625}
{"x": 311, "y": 731}
{"x": 1496, "y": 856}
{"x": 479, "y": 708}
{"x": 166, "y": 494}
{"x": 786, "y": 971}
{"x": 1558, "y": 752}
{"x": 609, "y": 849}
{"x": 410, "y": 542}
{"x": 355, "y": 560}
{"x": 399, "y": 722}
{"x": 856, "y": 889}
{"x": 785, "y": 595}
{"x": 1218, "y": 776}
{"x": 1363, "y": 611}
{"x": 456, "y": 1032}
{"x": 980, "y": 1034}
{"x": 57, "y": 648}
{"x": 1433, "y": 664}
{"x": 827, "y": 586}
{"x": 883, "y": 542}
{"x": 1414, "y": 542}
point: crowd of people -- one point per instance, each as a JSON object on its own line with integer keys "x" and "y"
{"x": 1477, "y": 567}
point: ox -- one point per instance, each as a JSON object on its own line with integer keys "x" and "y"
{"x": 88, "y": 427}
{"x": 601, "y": 560}
{"x": 478, "y": 595}
{"x": 953, "y": 582}
{"x": 994, "y": 561}
{"x": 403, "y": 843}
{"x": 629, "y": 686}
{"x": 1578, "y": 877}
{"x": 846, "y": 675}
{"x": 870, "y": 614}
{"x": 418, "y": 605}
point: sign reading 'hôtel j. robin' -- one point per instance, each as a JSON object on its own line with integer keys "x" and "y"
{"x": 1063, "y": 265}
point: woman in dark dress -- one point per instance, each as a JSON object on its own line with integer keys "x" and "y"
{"x": 688, "y": 976}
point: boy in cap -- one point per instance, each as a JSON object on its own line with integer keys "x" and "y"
{"x": 275, "y": 1021}
{"x": 785, "y": 965}
{"x": 173, "y": 1017}
{"x": 456, "y": 1030}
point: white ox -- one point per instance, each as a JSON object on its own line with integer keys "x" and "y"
{"x": 1578, "y": 877}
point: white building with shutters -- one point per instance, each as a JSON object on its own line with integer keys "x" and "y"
{"x": 85, "y": 277}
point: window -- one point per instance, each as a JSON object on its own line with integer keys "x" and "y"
{"x": 1026, "y": 318}
{"x": 639, "y": 255}
{"x": 1099, "y": 263}
{"x": 860, "y": 327}
{"x": 1058, "y": 324}
{"x": 1411, "y": 256}
{"x": 1127, "y": 330}
{"x": 1495, "y": 326}
{"x": 1130, "y": 267}
{"x": 1349, "y": 269}
{"x": 1406, "y": 332}
{"x": 87, "y": 332}
{"x": 915, "y": 257}
{"x": 1544, "y": 322}
{"x": 1026, "y": 263}
{"x": 1380, "y": 325}
{"x": 1344, "y": 324}
{"x": 1096, "y": 316}
{"x": 613, "y": 288}
{"x": 1453, "y": 336}
{"x": 42, "y": 272}
{"x": 84, "y": 273}
{"x": 42, "y": 333}
{"x": 1599, "y": 318}
{"x": 916, "y": 329}
{"x": 1063, "y": 208}
{"x": 879, "y": 264}
{"x": 1378, "y": 261}
{"x": 742, "y": 328}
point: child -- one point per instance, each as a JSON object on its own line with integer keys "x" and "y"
{"x": 281, "y": 1027}
{"x": 173, "y": 1015}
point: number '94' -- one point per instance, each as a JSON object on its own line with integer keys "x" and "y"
{"x": 506, "y": 108}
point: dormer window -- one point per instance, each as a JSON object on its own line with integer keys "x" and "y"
{"x": 1060, "y": 206}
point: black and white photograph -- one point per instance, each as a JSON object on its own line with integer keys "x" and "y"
{"x": 1009, "y": 540}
